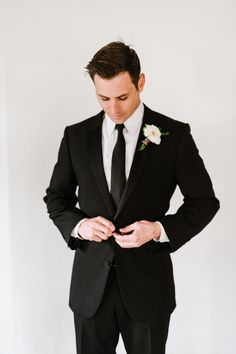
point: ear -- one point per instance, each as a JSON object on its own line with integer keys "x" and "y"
{"x": 141, "y": 82}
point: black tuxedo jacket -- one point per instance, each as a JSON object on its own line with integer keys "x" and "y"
{"x": 145, "y": 274}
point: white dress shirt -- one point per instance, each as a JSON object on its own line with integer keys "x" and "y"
{"x": 109, "y": 137}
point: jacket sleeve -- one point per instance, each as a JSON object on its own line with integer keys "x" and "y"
{"x": 61, "y": 196}
{"x": 199, "y": 203}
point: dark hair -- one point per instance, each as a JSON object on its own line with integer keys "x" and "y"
{"x": 114, "y": 58}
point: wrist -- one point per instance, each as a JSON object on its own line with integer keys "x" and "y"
{"x": 79, "y": 229}
{"x": 157, "y": 236}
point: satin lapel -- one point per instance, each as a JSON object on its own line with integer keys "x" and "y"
{"x": 96, "y": 162}
{"x": 138, "y": 163}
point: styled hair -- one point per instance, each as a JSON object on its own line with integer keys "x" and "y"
{"x": 113, "y": 59}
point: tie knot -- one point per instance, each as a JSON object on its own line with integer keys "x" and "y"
{"x": 120, "y": 127}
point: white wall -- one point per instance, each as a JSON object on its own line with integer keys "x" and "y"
{"x": 188, "y": 52}
{"x": 6, "y": 294}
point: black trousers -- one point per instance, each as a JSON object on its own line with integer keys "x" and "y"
{"x": 100, "y": 333}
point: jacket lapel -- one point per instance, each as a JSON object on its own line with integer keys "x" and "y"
{"x": 139, "y": 160}
{"x": 96, "y": 161}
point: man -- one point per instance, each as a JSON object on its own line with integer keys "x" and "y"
{"x": 126, "y": 162}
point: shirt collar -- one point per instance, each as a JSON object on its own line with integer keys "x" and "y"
{"x": 132, "y": 124}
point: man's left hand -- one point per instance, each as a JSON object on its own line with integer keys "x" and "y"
{"x": 138, "y": 233}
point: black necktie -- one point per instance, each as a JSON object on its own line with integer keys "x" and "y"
{"x": 118, "y": 179}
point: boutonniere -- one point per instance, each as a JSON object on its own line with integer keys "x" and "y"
{"x": 152, "y": 135}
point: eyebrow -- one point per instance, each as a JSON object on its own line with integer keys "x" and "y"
{"x": 124, "y": 94}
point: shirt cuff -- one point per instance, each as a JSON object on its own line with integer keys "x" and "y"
{"x": 75, "y": 232}
{"x": 163, "y": 236}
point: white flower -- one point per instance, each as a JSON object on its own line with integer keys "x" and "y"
{"x": 152, "y": 133}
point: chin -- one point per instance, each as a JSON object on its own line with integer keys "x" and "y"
{"x": 119, "y": 119}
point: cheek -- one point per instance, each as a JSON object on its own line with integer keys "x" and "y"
{"x": 129, "y": 105}
{"x": 103, "y": 104}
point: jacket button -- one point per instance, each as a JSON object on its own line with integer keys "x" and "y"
{"x": 107, "y": 264}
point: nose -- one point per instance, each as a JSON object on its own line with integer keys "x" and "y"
{"x": 114, "y": 107}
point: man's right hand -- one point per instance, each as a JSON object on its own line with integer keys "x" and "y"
{"x": 96, "y": 229}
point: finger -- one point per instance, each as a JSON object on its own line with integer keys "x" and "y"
{"x": 129, "y": 228}
{"x": 96, "y": 239}
{"x": 92, "y": 237}
{"x": 125, "y": 238}
{"x": 101, "y": 235}
{"x": 115, "y": 234}
{"x": 102, "y": 228}
{"x": 124, "y": 244}
{"x": 106, "y": 222}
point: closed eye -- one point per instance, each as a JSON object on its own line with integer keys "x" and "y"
{"x": 123, "y": 98}
{"x": 119, "y": 98}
